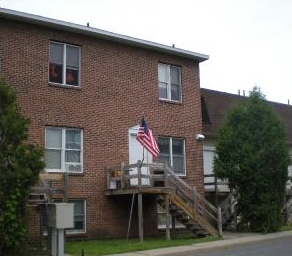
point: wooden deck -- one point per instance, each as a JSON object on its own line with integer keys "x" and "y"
{"x": 139, "y": 190}
{"x": 174, "y": 194}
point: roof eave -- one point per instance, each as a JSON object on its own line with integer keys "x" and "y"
{"x": 102, "y": 34}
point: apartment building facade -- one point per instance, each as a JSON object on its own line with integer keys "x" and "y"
{"x": 85, "y": 91}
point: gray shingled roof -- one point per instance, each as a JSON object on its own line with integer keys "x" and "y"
{"x": 216, "y": 104}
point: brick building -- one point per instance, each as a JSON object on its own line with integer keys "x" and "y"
{"x": 215, "y": 107}
{"x": 85, "y": 91}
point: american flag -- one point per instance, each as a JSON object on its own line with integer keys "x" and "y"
{"x": 145, "y": 137}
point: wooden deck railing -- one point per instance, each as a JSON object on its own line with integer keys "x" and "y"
{"x": 213, "y": 184}
{"x": 194, "y": 199}
{"x": 120, "y": 177}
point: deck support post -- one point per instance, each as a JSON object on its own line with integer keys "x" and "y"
{"x": 140, "y": 217}
{"x": 219, "y": 220}
{"x": 216, "y": 191}
{"x": 195, "y": 202}
{"x": 130, "y": 218}
{"x": 167, "y": 217}
{"x": 139, "y": 173}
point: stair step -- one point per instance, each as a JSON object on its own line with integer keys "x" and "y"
{"x": 202, "y": 233}
{"x": 180, "y": 207}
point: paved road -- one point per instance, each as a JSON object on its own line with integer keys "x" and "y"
{"x": 275, "y": 247}
{"x": 233, "y": 244}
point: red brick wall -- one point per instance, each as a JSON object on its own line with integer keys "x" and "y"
{"x": 118, "y": 84}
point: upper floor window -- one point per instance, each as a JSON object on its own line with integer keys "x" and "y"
{"x": 169, "y": 78}
{"x": 63, "y": 149}
{"x": 172, "y": 152}
{"x": 64, "y": 64}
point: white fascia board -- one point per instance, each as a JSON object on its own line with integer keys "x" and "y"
{"x": 98, "y": 33}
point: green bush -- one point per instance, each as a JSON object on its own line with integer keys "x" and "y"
{"x": 251, "y": 152}
{"x": 20, "y": 163}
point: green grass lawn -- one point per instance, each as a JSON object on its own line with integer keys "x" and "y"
{"x": 286, "y": 228}
{"x": 111, "y": 246}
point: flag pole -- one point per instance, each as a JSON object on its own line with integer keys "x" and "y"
{"x": 143, "y": 154}
{"x": 143, "y": 145}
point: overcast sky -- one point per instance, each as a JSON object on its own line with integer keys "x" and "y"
{"x": 249, "y": 41}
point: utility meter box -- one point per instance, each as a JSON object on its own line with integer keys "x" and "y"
{"x": 60, "y": 215}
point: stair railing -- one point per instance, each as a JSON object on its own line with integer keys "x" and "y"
{"x": 195, "y": 200}
{"x": 228, "y": 206}
{"x": 287, "y": 210}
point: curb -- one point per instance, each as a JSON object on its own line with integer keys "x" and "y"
{"x": 172, "y": 251}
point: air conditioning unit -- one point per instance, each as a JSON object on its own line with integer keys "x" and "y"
{"x": 73, "y": 168}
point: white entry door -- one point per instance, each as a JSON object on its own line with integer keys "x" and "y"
{"x": 135, "y": 154}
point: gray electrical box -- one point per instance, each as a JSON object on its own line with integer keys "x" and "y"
{"x": 60, "y": 215}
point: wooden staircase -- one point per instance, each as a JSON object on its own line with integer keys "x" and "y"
{"x": 229, "y": 211}
{"x": 49, "y": 184}
{"x": 191, "y": 209}
{"x": 178, "y": 198}
{"x": 287, "y": 209}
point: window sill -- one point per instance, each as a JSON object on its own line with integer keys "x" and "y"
{"x": 64, "y": 86}
{"x": 171, "y": 101}
{"x": 70, "y": 173}
{"x": 75, "y": 232}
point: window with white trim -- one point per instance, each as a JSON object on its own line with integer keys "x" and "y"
{"x": 169, "y": 82}
{"x": 63, "y": 149}
{"x": 79, "y": 216}
{"x": 172, "y": 152}
{"x": 64, "y": 64}
{"x": 161, "y": 219}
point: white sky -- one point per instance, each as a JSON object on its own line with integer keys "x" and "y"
{"x": 249, "y": 41}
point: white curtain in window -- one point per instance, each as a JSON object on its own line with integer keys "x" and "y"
{"x": 79, "y": 214}
{"x": 73, "y": 146}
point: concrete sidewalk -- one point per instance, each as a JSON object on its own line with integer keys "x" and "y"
{"x": 229, "y": 239}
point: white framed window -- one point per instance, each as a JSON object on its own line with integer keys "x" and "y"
{"x": 172, "y": 151}
{"x": 161, "y": 219}
{"x": 64, "y": 66}
{"x": 169, "y": 82}
{"x": 79, "y": 216}
{"x": 63, "y": 150}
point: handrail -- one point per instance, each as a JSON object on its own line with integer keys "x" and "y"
{"x": 193, "y": 198}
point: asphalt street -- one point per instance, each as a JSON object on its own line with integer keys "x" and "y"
{"x": 251, "y": 244}
{"x": 279, "y": 246}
